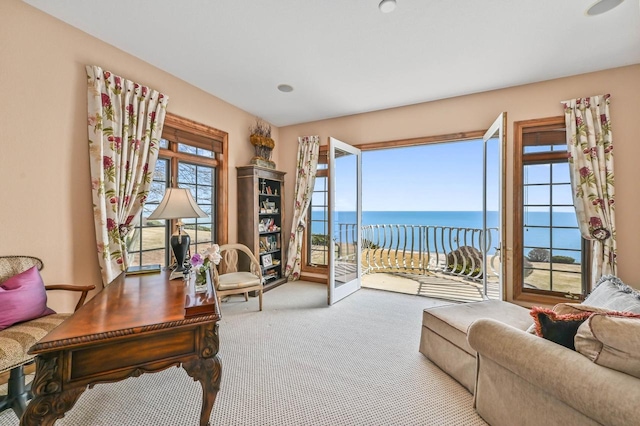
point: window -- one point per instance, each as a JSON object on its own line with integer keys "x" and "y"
{"x": 147, "y": 245}
{"x": 318, "y": 222}
{"x": 550, "y": 254}
{"x": 191, "y": 156}
{"x": 200, "y": 179}
{"x": 316, "y": 245}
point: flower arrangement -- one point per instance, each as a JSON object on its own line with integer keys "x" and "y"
{"x": 202, "y": 262}
{"x": 262, "y": 144}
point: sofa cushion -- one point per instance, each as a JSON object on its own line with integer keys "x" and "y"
{"x": 558, "y": 328}
{"x": 577, "y": 308}
{"x": 569, "y": 308}
{"x": 452, "y": 321}
{"x": 23, "y": 298}
{"x": 611, "y": 340}
{"x": 611, "y": 293}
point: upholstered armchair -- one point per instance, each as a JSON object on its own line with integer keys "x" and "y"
{"x": 239, "y": 272}
{"x": 21, "y": 288}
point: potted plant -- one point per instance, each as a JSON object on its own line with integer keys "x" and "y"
{"x": 262, "y": 144}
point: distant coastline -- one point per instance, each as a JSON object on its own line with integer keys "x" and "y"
{"x": 535, "y": 236}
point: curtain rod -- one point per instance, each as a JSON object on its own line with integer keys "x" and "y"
{"x": 606, "y": 95}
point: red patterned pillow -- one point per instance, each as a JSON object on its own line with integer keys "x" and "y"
{"x": 558, "y": 328}
{"x": 23, "y": 298}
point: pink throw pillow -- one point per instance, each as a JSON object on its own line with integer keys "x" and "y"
{"x": 23, "y": 298}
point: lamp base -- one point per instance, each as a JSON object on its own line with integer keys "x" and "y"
{"x": 176, "y": 275}
{"x": 180, "y": 246}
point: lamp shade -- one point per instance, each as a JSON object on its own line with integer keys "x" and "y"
{"x": 177, "y": 203}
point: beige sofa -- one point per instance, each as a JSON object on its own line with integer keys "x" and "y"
{"x": 519, "y": 378}
{"x": 523, "y": 379}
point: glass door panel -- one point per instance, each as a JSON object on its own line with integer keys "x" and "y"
{"x": 345, "y": 212}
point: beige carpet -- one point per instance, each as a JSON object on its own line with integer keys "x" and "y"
{"x": 298, "y": 362}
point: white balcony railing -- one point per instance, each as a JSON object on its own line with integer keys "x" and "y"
{"x": 420, "y": 249}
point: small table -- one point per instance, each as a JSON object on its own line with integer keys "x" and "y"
{"x": 137, "y": 324}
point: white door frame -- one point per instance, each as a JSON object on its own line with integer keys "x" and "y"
{"x": 496, "y": 130}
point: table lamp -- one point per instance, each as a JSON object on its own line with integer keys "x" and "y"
{"x": 178, "y": 203}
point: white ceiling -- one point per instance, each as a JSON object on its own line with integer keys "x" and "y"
{"x": 344, "y": 56}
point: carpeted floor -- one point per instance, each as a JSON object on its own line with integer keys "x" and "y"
{"x": 299, "y": 362}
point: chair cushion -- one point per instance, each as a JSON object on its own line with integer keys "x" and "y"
{"x": 23, "y": 298}
{"x": 234, "y": 280}
{"x": 15, "y": 341}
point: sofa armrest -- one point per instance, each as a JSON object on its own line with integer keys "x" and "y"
{"x": 607, "y": 396}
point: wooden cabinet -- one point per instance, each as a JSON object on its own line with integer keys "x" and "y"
{"x": 260, "y": 220}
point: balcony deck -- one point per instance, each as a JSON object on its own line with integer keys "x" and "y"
{"x": 435, "y": 285}
{"x": 443, "y": 262}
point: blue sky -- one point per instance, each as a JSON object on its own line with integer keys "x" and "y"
{"x": 442, "y": 177}
{"x": 436, "y": 177}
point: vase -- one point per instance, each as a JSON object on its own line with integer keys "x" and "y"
{"x": 201, "y": 281}
{"x": 263, "y": 162}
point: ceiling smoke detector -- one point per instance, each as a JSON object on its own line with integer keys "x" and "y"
{"x": 602, "y": 6}
{"x": 387, "y": 6}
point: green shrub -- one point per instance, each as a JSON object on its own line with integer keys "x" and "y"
{"x": 538, "y": 255}
{"x": 366, "y": 244}
{"x": 319, "y": 240}
{"x": 468, "y": 257}
{"x": 563, "y": 259}
{"x": 474, "y": 273}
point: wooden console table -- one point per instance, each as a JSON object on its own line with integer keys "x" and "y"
{"x": 135, "y": 325}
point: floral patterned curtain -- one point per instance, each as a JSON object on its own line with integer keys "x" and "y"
{"x": 125, "y": 124}
{"x": 308, "y": 149}
{"x": 590, "y": 147}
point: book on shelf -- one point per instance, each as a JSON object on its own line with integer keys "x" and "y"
{"x": 270, "y": 275}
{"x": 269, "y": 243}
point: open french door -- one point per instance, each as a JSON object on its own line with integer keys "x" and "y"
{"x": 345, "y": 220}
{"x": 493, "y": 215}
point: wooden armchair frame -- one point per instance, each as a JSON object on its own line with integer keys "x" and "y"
{"x": 231, "y": 264}
{"x": 18, "y": 393}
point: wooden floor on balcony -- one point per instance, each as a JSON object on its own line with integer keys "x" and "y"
{"x": 434, "y": 285}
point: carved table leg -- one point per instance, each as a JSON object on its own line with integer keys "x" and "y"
{"x": 207, "y": 369}
{"x": 50, "y": 402}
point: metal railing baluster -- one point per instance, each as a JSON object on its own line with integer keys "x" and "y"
{"x": 420, "y": 249}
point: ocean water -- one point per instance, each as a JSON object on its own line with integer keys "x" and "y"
{"x": 565, "y": 240}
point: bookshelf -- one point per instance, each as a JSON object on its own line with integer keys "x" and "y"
{"x": 260, "y": 220}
